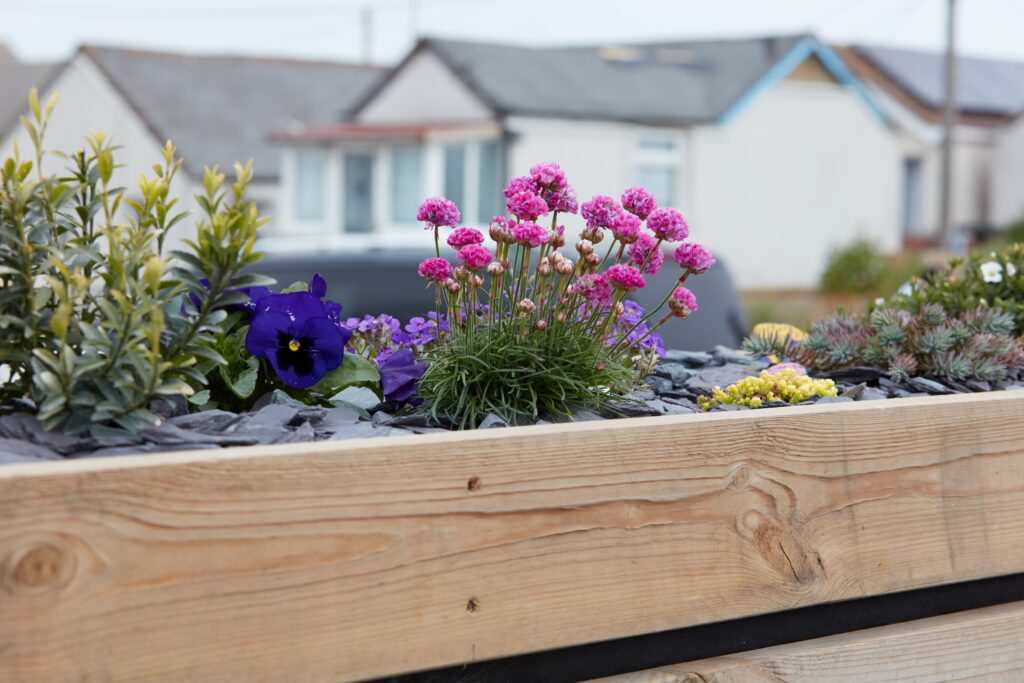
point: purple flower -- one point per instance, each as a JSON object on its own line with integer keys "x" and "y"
{"x": 638, "y": 202}
{"x": 438, "y": 211}
{"x": 668, "y": 225}
{"x": 460, "y": 237}
{"x": 600, "y": 211}
{"x": 693, "y": 257}
{"x": 435, "y": 269}
{"x": 296, "y": 335}
{"x": 400, "y": 373}
{"x": 640, "y": 337}
{"x": 422, "y": 331}
{"x": 625, "y": 278}
{"x": 527, "y": 206}
{"x": 474, "y": 256}
{"x": 520, "y": 184}
{"x": 625, "y": 227}
{"x": 549, "y": 176}
{"x": 530, "y": 234}
{"x": 646, "y": 250}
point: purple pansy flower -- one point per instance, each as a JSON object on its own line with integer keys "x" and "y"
{"x": 400, "y": 373}
{"x": 295, "y": 333}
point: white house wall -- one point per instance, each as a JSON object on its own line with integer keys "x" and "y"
{"x": 88, "y": 102}
{"x": 1008, "y": 175}
{"x": 806, "y": 168}
{"x": 424, "y": 91}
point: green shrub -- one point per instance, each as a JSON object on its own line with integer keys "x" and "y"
{"x": 91, "y": 324}
{"x": 995, "y": 280}
{"x": 857, "y": 268}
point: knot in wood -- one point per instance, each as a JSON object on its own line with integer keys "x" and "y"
{"x": 38, "y": 567}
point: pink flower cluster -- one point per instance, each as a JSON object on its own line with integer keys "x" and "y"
{"x": 625, "y": 278}
{"x": 474, "y": 256}
{"x": 438, "y": 211}
{"x": 435, "y": 269}
{"x": 535, "y": 284}
{"x": 460, "y": 237}
{"x": 693, "y": 257}
{"x": 639, "y": 202}
{"x": 668, "y": 225}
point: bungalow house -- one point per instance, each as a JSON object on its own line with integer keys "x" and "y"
{"x": 216, "y": 109}
{"x": 989, "y": 93}
{"x": 1008, "y": 174}
{"x": 771, "y": 147}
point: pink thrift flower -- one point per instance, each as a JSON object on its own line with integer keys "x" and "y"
{"x": 779, "y": 367}
{"x": 500, "y": 229}
{"x": 474, "y": 256}
{"x": 460, "y": 237}
{"x": 668, "y": 225}
{"x": 638, "y": 202}
{"x": 693, "y": 257}
{"x": 530, "y": 234}
{"x": 683, "y": 302}
{"x": 600, "y": 211}
{"x": 626, "y": 278}
{"x": 527, "y": 206}
{"x": 563, "y": 201}
{"x": 521, "y": 184}
{"x": 595, "y": 290}
{"x": 548, "y": 175}
{"x": 435, "y": 269}
{"x": 625, "y": 227}
{"x": 645, "y": 250}
{"x": 438, "y": 211}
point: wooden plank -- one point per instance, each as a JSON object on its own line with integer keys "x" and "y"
{"x": 976, "y": 645}
{"x": 343, "y": 561}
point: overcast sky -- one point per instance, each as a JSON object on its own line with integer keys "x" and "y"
{"x": 51, "y": 29}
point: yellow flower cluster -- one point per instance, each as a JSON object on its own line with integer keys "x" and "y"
{"x": 781, "y": 386}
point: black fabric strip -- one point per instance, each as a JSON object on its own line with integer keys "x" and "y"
{"x": 624, "y": 655}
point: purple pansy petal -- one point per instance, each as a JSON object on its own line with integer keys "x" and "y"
{"x": 318, "y": 286}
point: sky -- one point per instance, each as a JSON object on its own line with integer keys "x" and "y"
{"x": 48, "y": 30}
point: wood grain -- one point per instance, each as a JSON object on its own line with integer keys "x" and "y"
{"x": 344, "y": 561}
{"x": 976, "y": 645}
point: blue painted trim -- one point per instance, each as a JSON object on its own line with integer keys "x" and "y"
{"x": 791, "y": 60}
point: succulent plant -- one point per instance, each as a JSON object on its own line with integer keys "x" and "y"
{"x": 786, "y": 386}
{"x": 975, "y": 344}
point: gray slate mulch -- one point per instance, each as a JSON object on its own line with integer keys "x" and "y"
{"x": 672, "y": 389}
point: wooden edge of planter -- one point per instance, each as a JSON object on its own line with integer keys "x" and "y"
{"x": 352, "y": 560}
{"x": 980, "y": 644}
{"x": 398, "y": 444}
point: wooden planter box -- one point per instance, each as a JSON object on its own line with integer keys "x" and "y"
{"x": 351, "y": 560}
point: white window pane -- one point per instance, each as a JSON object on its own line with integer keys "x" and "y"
{"x": 659, "y": 181}
{"x": 406, "y": 183}
{"x": 309, "y": 184}
{"x": 455, "y": 174}
{"x": 490, "y": 198}
{"x": 657, "y": 144}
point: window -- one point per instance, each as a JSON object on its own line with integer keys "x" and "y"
{"x": 659, "y": 181}
{"x": 406, "y": 183}
{"x": 657, "y": 162}
{"x": 455, "y": 174}
{"x": 309, "y": 184}
{"x": 490, "y": 189}
{"x": 357, "y": 193}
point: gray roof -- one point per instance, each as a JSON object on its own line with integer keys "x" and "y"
{"x": 16, "y": 79}
{"x": 671, "y": 83}
{"x": 219, "y": 110}
{"x": 984, "y": 86}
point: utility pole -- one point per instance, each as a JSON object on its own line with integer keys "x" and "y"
{"x": 366, "y": 14}
{"x": 948, "y": 125}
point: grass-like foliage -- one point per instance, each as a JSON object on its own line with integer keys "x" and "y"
{"x": 91, "y": 324}
{"x": 500, "y": 371}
